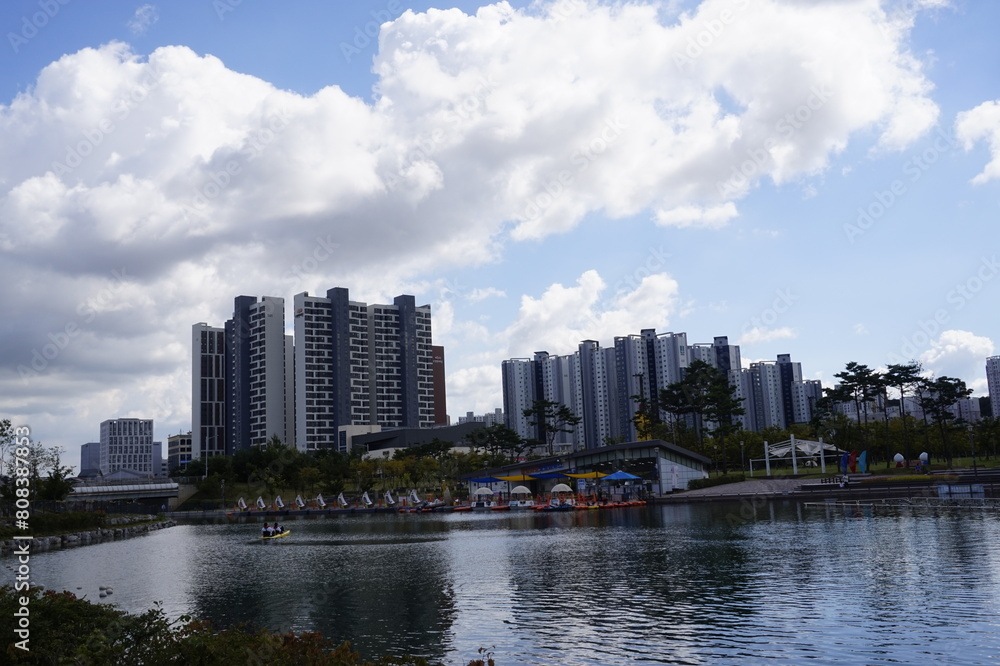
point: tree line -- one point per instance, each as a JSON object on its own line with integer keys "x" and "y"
{"x": 939, "y": 429}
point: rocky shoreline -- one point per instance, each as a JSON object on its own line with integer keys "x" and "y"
{"x": 118, "y": 528}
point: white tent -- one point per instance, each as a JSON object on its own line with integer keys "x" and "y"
{"x": 520, "y": 490}
{"x": 802, "y": 446}
{"x": 483, "y": 491}
{"x": 561, "y": 488}
{"x": 795, "y": 448}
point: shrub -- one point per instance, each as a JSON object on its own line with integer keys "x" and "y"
{"x": 696, "y": 484}
{"x": 68, "y": 630}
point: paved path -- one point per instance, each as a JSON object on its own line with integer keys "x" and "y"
{"x": 743, "y": 488}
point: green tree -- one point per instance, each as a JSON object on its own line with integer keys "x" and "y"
{"x": 721, "y": 409}
{"x": 7, "y": 439}
{"x": 48, "y": 477}
{"x": 858, "y": 384}
{"x": 436, "y": 449}
{"x": 647, "y": 413}
{"x": 500, "y": 444}
{"x": 551, "y": 418}
{"x": 903, "y": 377}
{"x": 57, "y": 485}
{"x": 938, "y": 396}
{"x": 703, "y": 391}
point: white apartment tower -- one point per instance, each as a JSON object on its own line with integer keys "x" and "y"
{"x": 208, "y": 391}
{"x": 271, "y": 387}
{"x": 128, "y": 444}
{"x": 519, "y": 393}
{"x": 993, "y": 383}
{"x": 360, "y": 365}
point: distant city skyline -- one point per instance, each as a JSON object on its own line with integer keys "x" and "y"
{"x": 349, "y": 364}
{"x": 540, "y": 174}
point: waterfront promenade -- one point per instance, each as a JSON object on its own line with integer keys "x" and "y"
{"x": 860, "y": 487}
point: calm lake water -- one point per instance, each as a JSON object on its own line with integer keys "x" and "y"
{"x": 686, "y": 584}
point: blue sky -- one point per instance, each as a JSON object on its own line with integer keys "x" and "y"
{"x": 819, "y": 179}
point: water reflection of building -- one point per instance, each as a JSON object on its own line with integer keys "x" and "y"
{"x": 383, "y": 586}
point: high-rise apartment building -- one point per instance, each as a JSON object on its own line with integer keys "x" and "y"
{"x": 271, "y": 388}
{"x": 768, "y": 404}
{"x": 350, "y": 365}
{"x": 604, "y": 386}
{"x": 805, "y": 393}
{"x": 632, "y": 378}
{"x": 778, "y": 396}
{"x": 440, "y": 394}
{"x": 518, "y": 394}
{"x": 358, "y": 364}
{"x": 208, "y": 391}
{"x": 241, "y": 379}
{"x": 128, "y": 444}
{"x": 993, "y": 383}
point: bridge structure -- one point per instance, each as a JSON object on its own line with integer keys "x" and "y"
{"x": 153, "y": 491}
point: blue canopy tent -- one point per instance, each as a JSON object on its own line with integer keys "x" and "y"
{"x": 619, "y": 476}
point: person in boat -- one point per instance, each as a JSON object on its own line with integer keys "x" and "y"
{"x": 266, "y": 530}
{"x": 278, "y": 529}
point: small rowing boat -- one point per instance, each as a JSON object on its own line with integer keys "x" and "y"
{"x": 277, "y": 536}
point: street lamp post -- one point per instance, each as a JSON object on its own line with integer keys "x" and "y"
{"x": 972, "y": 446}
{"x": 743, "y": 465}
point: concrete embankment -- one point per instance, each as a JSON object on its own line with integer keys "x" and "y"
{"x": 816, "y": 490}
{"x": 121, "y": 527}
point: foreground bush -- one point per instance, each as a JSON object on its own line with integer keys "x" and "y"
{"x": 67, "y": 630}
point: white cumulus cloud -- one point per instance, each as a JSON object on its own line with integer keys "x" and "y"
{"x": 198, "y": 183}
{"x": 958, "y": 353}
{"x": 759, "y": 334}
{"x": 982, "y": 124}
